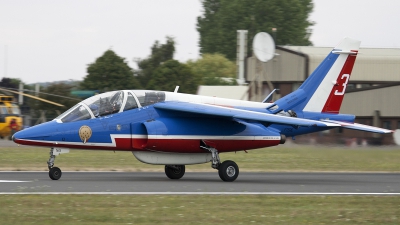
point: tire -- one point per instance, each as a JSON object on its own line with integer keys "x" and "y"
{"x": 228, "y": 171}
{"x": 175, "y": 172}
{"x": 55, "y": 173}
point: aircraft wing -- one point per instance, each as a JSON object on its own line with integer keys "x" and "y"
{"x": 362, "y": 127}
{"x": 220, "y": 111}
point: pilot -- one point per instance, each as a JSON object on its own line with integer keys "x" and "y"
{"x": 95, "y": 109}
{"x": 116, "y": 101}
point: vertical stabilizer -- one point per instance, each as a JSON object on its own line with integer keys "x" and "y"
{"x": 324, "y": 89}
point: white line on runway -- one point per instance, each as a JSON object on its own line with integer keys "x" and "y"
{"x": 193, "y": 193}
{"x": 12, "y": 181}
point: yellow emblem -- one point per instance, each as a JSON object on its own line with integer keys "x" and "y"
{"x": 85, "y": 133}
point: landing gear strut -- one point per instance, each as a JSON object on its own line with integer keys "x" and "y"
{"x": 55, "y": 172}
{"x": 228, "y": 170}
{"x": 174, "y": 171}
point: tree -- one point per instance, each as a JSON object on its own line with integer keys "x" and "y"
{"x": 10, "y": 83}
{"x": 13, "y": 85}
{"x": 222, "y": 18}
{"x": 109, "y": 72}
{"x": 214, "y": 69}
{"x": 171, "y": 74}
{"x": 159, "y": 53}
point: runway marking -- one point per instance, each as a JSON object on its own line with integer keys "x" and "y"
{"x": 193, "y": 193}
{"x": 12, "y": 181}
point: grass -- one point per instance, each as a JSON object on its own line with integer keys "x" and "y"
{"x": 184, "y": 209}
{"x": 203, "y": 209}
{"x": 281, "y": 158}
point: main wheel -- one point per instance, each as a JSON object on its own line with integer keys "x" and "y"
{"x": 175, "y": 171}
{"x": 228, "y": 171}
{"x": 55, "y": 173}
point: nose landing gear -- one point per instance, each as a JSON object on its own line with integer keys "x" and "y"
{"x": 55, "y": 172}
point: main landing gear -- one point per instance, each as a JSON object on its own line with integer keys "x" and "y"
{"x": 228, "y": 170}
{"x": 175, "y": 171}
{"x": 55, "y": 172}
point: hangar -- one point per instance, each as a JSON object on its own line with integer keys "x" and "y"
{"x": 371, "y": 94}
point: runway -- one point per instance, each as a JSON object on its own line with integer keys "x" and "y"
{"x": 200, "y": 183}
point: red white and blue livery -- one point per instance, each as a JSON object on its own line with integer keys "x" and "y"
{"x": 175, "y": 129}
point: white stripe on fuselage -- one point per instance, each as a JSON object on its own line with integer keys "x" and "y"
{"x": 88, "y": 143}
{"x": 205, "y": 137}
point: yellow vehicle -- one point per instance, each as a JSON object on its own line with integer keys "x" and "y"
{"x": 9, "y": 114}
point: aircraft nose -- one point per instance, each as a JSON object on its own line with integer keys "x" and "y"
{"x": 16, "y": 137}
{"x": 35, "y": 135}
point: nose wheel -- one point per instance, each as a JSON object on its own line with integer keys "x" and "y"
{"x": 55, "y": 172}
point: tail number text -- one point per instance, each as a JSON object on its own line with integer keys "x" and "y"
{"x": 346, "y": 80}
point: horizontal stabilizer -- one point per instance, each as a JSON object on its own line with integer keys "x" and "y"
{"x": 344, "y": 52}
{"x": 362, "y": 127}
{"x": 232, "y": 113}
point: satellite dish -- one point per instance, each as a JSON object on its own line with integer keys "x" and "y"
{"x": 263, "y": 46}
{"x": 396, "y": 137}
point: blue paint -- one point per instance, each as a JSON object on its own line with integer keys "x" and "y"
{"x": 298, "y": 99}
{"x": 176, "y": 118}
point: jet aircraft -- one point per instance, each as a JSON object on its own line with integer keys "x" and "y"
{"x": 176, "y": 129}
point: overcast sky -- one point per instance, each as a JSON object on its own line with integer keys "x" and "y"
{"x": 47, "y": 40}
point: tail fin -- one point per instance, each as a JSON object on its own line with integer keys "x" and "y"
{"x": 324, "y": 90}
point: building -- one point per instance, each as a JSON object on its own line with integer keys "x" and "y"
{"x": 371, "y": 94}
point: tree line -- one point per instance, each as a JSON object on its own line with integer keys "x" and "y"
{"x": 217, "y": 27}
{"x": 159, "y": 71}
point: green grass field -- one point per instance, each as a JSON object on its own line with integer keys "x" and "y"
{"x": 205, "y": 209}
{"x": 281, "y": 158}
{"x": 179, "y": 209}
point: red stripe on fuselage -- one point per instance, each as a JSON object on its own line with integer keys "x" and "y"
{"x": 193, "y": 146}
{"x": 163, "y": 145}
{"x": 335, "y": 98}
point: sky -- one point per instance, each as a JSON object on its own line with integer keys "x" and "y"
{"x": 47, "y": 40}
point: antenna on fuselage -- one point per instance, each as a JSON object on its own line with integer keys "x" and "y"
{"x": 176, "y": 89}
{"x": 269, "y": 97}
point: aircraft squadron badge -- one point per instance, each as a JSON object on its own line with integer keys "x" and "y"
{"x": 85, "y": 133}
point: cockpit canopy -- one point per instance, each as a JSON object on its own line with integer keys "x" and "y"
{"x": 110, "y": 103}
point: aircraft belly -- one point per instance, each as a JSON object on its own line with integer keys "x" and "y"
{"x": 161, "y": 158}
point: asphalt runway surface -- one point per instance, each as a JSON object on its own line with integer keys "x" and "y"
{"x": 7, "y": 143}
{"x": 200, "y": 182}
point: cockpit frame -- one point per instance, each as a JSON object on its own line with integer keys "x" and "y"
{"x": 109, "y": 103}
